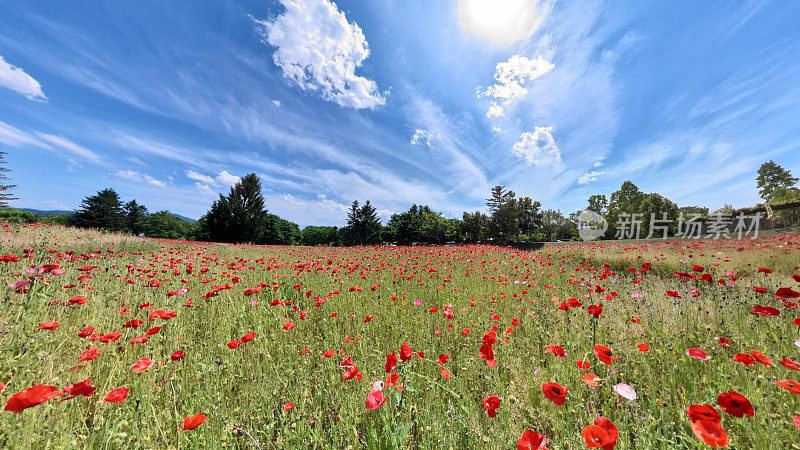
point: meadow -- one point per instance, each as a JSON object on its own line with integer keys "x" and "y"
{"x": 589, "y": 345}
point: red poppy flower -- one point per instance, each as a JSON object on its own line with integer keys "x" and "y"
{"x": 556, "y": 350}
{"x": 591, "y": 379}
{"x": 763, "y": 270}
{"x": 118, "y": 395}
{"x": 744, "y": 358}
{"x": 487, "y": 351}
{"x": 142, "y": 364}
{"x": 603, "y": 434}
{"x": 762, "y": 358}
{"x": 288, "y": 406}
{"x": 490, "y": 405}
{"x": 32, "y": 396}
{"x": 89, "y": 354}
{"x": 583, "y": 365}
{"x": 391, "y": 361}
{"x": 643, "y": 347}
{"x": 555, "y": 393}
{"x": 152, "y": 331}
{"x": 328, "y": 353}
{"x": 531, "y": 440}
{"x": 50, "y": 326}
{"x": 83, "y": 388}
{"x": 78, "y": 300}
{"x": 177, "y": 355}
{"x": 710, "y": 433}
{"x": 790, "y": 385}
{"x": 442, "y": 360}
{"x": 703, "y": 412}
{"x": 603, "y": 353}
{"x": 786, "y": 292}
{"x": 735, "y": 404}
{"x": 375, "y": 400}
{"x": 391, "y": 379}
{"x": 596, "y": 310}
{"x": 696, "y": 353}
{"x": 249, "y": 336}
{"x": 288, "y": 325}
{"x": 405, "y": 352}
{"x": 192, "y": 422}
{"x": 790, "y": 364}
{"x": 86, "y": 332}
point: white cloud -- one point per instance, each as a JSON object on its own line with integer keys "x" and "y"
{"x": 424, "y": 137}
{"x": 538, "y": 148}
{"x": 320, "y": 50}
{"x": 503, "y": 22}
{"x": 70, "y": 146}
{"x": 589, "y": 177}
{"x": 206, "y": 183}
{"x": 15, "y": 137}
{"x": 17, "y": 80}
{"x": 136, "y": 176}
{"x": 510, "y": 77}
{"x": 276, "y": 103}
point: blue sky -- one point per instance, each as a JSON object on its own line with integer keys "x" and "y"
{"x": 406, "y": 102}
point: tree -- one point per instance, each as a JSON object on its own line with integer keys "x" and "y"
{"x": 278, "y": 231}
{"x": 789, "y": 216}
{"x": 164, "y": 224}
{"x": 363, "y": 224}
{"x": 102, "y": 210}
{"x": 529, "y": 219}
{"x": 598, "y": 203}
{"x": 772, "y": 176}
{"x": 134, "y": 217}
{"x": 475, "y": 226}
{"x": 503, "y": 222}
{"x": 663, "y": 211}
{"x": 5, "y": 196}
{"x": 239, "y": 216}
{"x": 624, "y": 201}
{"x": 320, "y": 235}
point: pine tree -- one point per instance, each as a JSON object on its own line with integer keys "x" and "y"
{"x": 135, "y": 215}
{"x": 240, "y": 216}
{"x": 771, "y": 177}
{"x": 5, "y": 196}
{"x": 102, "y": 210}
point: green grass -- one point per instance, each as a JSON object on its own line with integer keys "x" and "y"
{"x": 243, "y": 391}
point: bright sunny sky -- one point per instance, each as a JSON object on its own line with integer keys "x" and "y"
{"x": 396, "y": 102}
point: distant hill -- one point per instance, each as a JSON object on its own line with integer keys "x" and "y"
{"x": 55, "y": 212}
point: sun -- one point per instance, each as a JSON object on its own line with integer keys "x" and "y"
{"x": 503, "y": 22}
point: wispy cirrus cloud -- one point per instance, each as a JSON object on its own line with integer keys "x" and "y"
{"x": 14, "y": 137}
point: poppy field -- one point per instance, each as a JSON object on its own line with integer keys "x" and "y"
{"x": 122, "y": 342}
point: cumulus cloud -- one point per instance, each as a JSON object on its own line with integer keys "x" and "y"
{"x": 17, "y": 80}
{"x": 538, "y": 148}
{"x": 317, "y": 48}
{"x": 590, "y": 177}
{"x": 207, "y": 183}
{"x": 424, "y": 137}
{"x": 136, "y": 176}
{"x": 510, "y": 77}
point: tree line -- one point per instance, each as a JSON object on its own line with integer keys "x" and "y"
{"x": 241, "y": 216}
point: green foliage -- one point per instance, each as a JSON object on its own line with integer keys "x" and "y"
{"x": 789, "y": 216}
{"x": 598, "y": 203}
{"x": 363, "y": 225}
{"x": 772, "y": 176}
{"x": 57, "y": 219}
{"x": 510, "y": 216}
{"x": 474, "y": 227}
{"x": 102, "y": 210}
{"x": 240, "y": 216}
{"x": 135, "y": 215}
{"x": 163, "y": 224}
{"x": 320, "y": 236}
{"x": 17, "y": 216}
{"x": 556, "y": 227}
{"x": 278, "y": 231}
